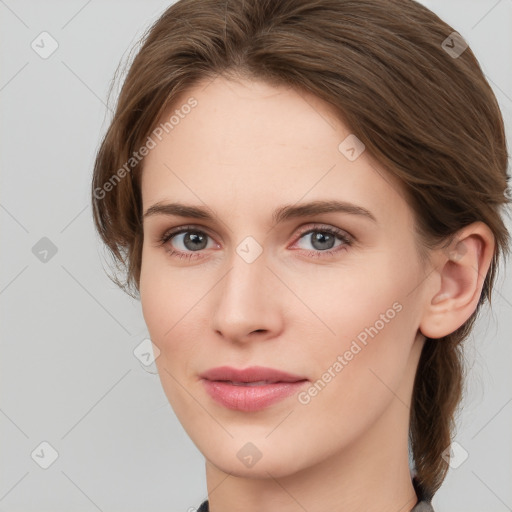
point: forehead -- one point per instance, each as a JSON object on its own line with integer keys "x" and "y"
{"x": 250, "y": 143}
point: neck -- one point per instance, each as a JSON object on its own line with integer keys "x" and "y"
{"x": 372, "y": 475}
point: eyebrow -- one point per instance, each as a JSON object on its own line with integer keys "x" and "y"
{"x": 281, "y": 214}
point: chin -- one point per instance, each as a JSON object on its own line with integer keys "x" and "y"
{"x": 258, "y": 459}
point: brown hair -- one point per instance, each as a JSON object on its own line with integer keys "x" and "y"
{"x": 430, "y": 118}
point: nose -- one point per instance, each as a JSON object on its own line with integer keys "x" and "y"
{"x": 247, "y": 303}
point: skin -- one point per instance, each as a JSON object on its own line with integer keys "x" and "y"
{"x": 245, "y": 150}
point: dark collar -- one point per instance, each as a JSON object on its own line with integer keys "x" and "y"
{"x": 423, "y": 504}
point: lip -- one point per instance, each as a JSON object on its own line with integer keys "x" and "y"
{"x": 251, "y": 374}
{"x": 278, "y": 385}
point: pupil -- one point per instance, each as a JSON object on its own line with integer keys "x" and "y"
{"x": 324, "y": 239}
{"x": 196, "y": 241}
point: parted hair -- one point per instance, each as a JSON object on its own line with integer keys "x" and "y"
{"x": 427, "y": 115}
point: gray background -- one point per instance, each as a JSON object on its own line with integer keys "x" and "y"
{"x": 68, "y": 373}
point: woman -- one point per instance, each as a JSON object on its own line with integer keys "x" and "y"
{"x": 306, "y": 195}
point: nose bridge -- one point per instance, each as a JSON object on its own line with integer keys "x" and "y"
{"x": 246, "y": 278}
{"x": 242, "y": 301}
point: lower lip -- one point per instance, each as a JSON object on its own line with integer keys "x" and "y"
{"x": 250, "y": 398}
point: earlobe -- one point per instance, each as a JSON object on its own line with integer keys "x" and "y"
{"x": 461, "y": 271}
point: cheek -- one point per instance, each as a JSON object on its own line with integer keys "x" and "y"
{"x": 171, "y": 301}
{"x": 158, "y": 298}
{"x": 167, "y": 304}
{"x": 368, "y": 317}
{"x": 358, "y": 371}
{"x": 349, "y": 301}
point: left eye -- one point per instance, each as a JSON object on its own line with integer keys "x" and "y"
{"x": 190, "y": 240}
{"x": 324, "y": 239}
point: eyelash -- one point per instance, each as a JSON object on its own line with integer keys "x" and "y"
{"x": 347, "y": 241}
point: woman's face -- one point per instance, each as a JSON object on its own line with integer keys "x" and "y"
{"x": 333, "y": 298}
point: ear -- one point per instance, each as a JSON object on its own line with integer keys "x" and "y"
{"x": 457, "y": 280}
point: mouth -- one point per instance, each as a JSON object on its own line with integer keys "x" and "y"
{"x": 252, "y": 389}
{"x": 252, "y": 374}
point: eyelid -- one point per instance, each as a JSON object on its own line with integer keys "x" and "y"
{"x": 303, "y": 229}
{"x": 316, "y": 226}
{"x": 166, "y": 236}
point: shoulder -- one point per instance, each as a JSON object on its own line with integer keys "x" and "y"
{"x": 203, "y": 507}
{"x": 423, "y": 506}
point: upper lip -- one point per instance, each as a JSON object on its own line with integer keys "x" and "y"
{"x": 251, "y": 374}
